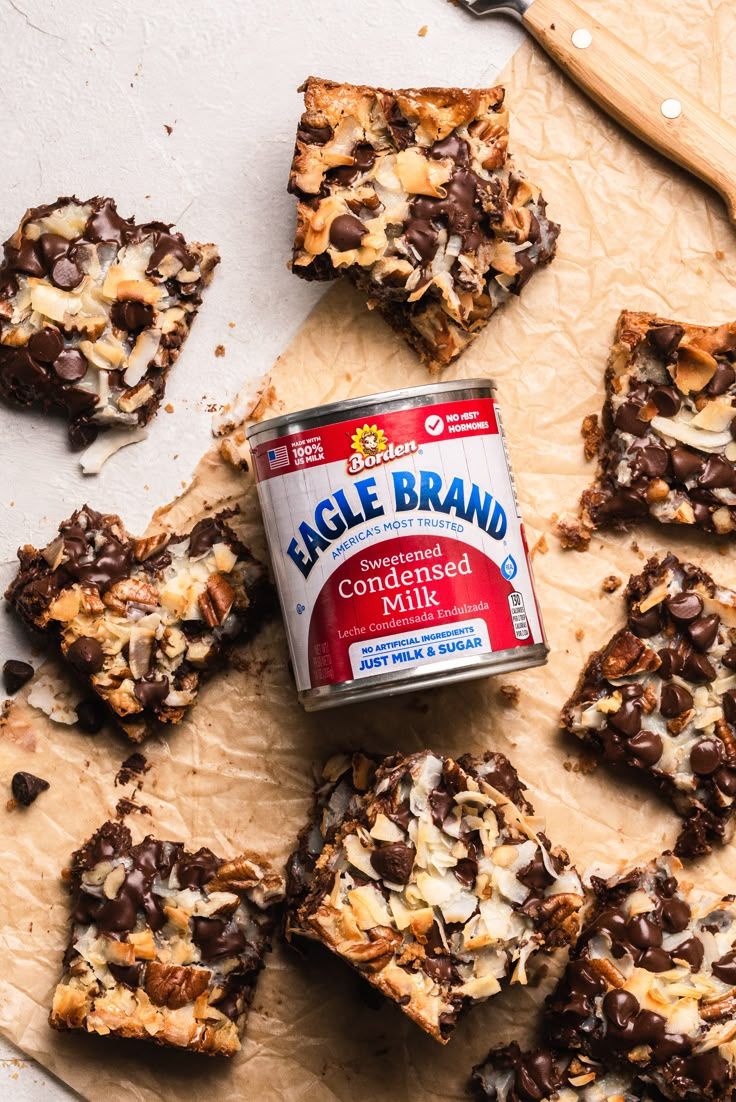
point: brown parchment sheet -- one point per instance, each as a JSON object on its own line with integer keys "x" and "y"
{"x": 238, "y": 772}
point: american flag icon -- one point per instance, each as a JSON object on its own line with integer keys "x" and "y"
{"x": 278, "y": 457}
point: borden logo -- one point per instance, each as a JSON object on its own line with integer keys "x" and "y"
{"x": 371, "y": 448}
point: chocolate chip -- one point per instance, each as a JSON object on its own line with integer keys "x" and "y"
{"x": 217, "y": 937}
{"x": 364, "y": 156}
{"x": 347, "y": 232}
{"x": 728, "y": 703}
{"x": 675, "y": 914}
{"x": 667, "y": 400}
{"x": 66, "y": 274}
{"x": 650, "y": 462}
{"x": 690, "y": 950}
{"x": 729, "y": 658}
{"x": 624, "y": 503}
{"x": 52, "y": 246}
{"x": 732, "y": 428}
{"x": 723, "y": 378}
{"x": 725, "y": 778}
{"x": 627, "y": 719}
{"x": 646, "y": 747}
{"x": 107, "y": 225}
{"x": 684, "y": 607}
{"x": 70, "y": 365}
{"x": 26, "y": 787}
{"x": 454, "y": 147}
{"x": 394, "y": 862}
{"x": 643, "y": 932}
{"x": 675, "y": 700}
{"x": 86, "y": 655}
{"x": 698, "y": 669}
{"x": 645, "y": 624}
{"x": 16, "y": 674}
{"x": 620, "y": 1007}
{"x": 129, "y": 975}
{"x": 131, "y": 315}
{"x": 169, "y": 245}
{"x": 718, "y": 474}
{"x": 704, "y": 631}
{"x": 91, "y": 715}
{"x": 26, "y": 258}
{"x": 671, "y": 662}
{"x": 706, "y": 756}
{"x": 45, "y": 345}
{"x": 422, "y": 236}
{"x": 196, "y": 870}
{"x": 665, "y": 338}
{"x": 725, "y": 968}
{"x": 655, "y": 960}
{"x": 686, "y": 465}
{"x": 205, "y": 534}
{"x": 151, "y": 693}
{"x": 627, "y": 419}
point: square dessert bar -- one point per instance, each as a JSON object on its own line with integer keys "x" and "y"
{"x": 166, "y": 945}
{"x": 433, "y": 880}
{"x": 94, "y": 310}
{"x": 667, "y": 448}
{"x": 661, "y": 695}
{"x": 650, "y": 984}
{"x": 548, "y": 1075}
{"x": 141, "y": 620}
{"x": 412, "y": 194}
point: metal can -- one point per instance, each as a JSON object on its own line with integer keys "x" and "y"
{"x": 397, "y": 544}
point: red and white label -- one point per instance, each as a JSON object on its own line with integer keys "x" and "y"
{"x": 397, "y": 543}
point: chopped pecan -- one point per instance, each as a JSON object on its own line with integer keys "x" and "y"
{"x": 174, "y": 986}
{"x": 150, "y": 545}
{"x": 130, "y": 591}
{"x": 217, "y": 600}
{"x": 628, "y": 655}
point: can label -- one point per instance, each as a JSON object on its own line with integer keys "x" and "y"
{"x": 397, "y": 542}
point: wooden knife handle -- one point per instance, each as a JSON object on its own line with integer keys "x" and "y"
{"x": 633, "y": 91}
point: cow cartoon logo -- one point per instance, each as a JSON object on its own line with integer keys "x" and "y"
{"x": 370, "y": 440}
{"x": 370, "y": 447}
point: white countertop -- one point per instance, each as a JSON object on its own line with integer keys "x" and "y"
{"x": 87, "y": 91}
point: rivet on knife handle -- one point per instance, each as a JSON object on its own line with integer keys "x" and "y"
{"x": 635, "y": 92}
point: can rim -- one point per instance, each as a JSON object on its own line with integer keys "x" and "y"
{"x": 326, "y": 412}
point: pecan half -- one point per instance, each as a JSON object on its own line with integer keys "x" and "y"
{"x": 174, "y": 986}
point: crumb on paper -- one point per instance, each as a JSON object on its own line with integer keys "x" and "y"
{"x": 572, "y": 533}
{"x": 611, "y": 583}
{"x": 510, "y": 694}
{"x": 592, "y": 434}
{"x": 585, "y": 764}
{"x": 720, "y": 255}
{"x": 220, "y": 350}
{"x": 169, "y": 408}
{"x": 124, "y": 807}
{"x": 637, "y": 550}
{"x": 579, "y": 634}
{"x": 422, "y": 31}
{"x": 168, "y": 129}
{"x": 231, "y": 324}
{"x": 541, "y": 547}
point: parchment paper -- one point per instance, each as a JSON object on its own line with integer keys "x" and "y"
{"x": 238, "y": 772}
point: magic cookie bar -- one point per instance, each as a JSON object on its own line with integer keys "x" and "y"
{"x": 668, "y": 448}
{"x": 650, "y": 984}
{"x": 165, "y": 945}
{"x": 661, "y": 695}
{"x": 94, "y": 310}
{"x": 412, "y": 194}
{"x": 140, "y": 619}
{"x": 436, "y": 885}
{"x": 547, "y": 1075}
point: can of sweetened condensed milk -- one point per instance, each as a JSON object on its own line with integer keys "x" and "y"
{"x": 397, "y": 545}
